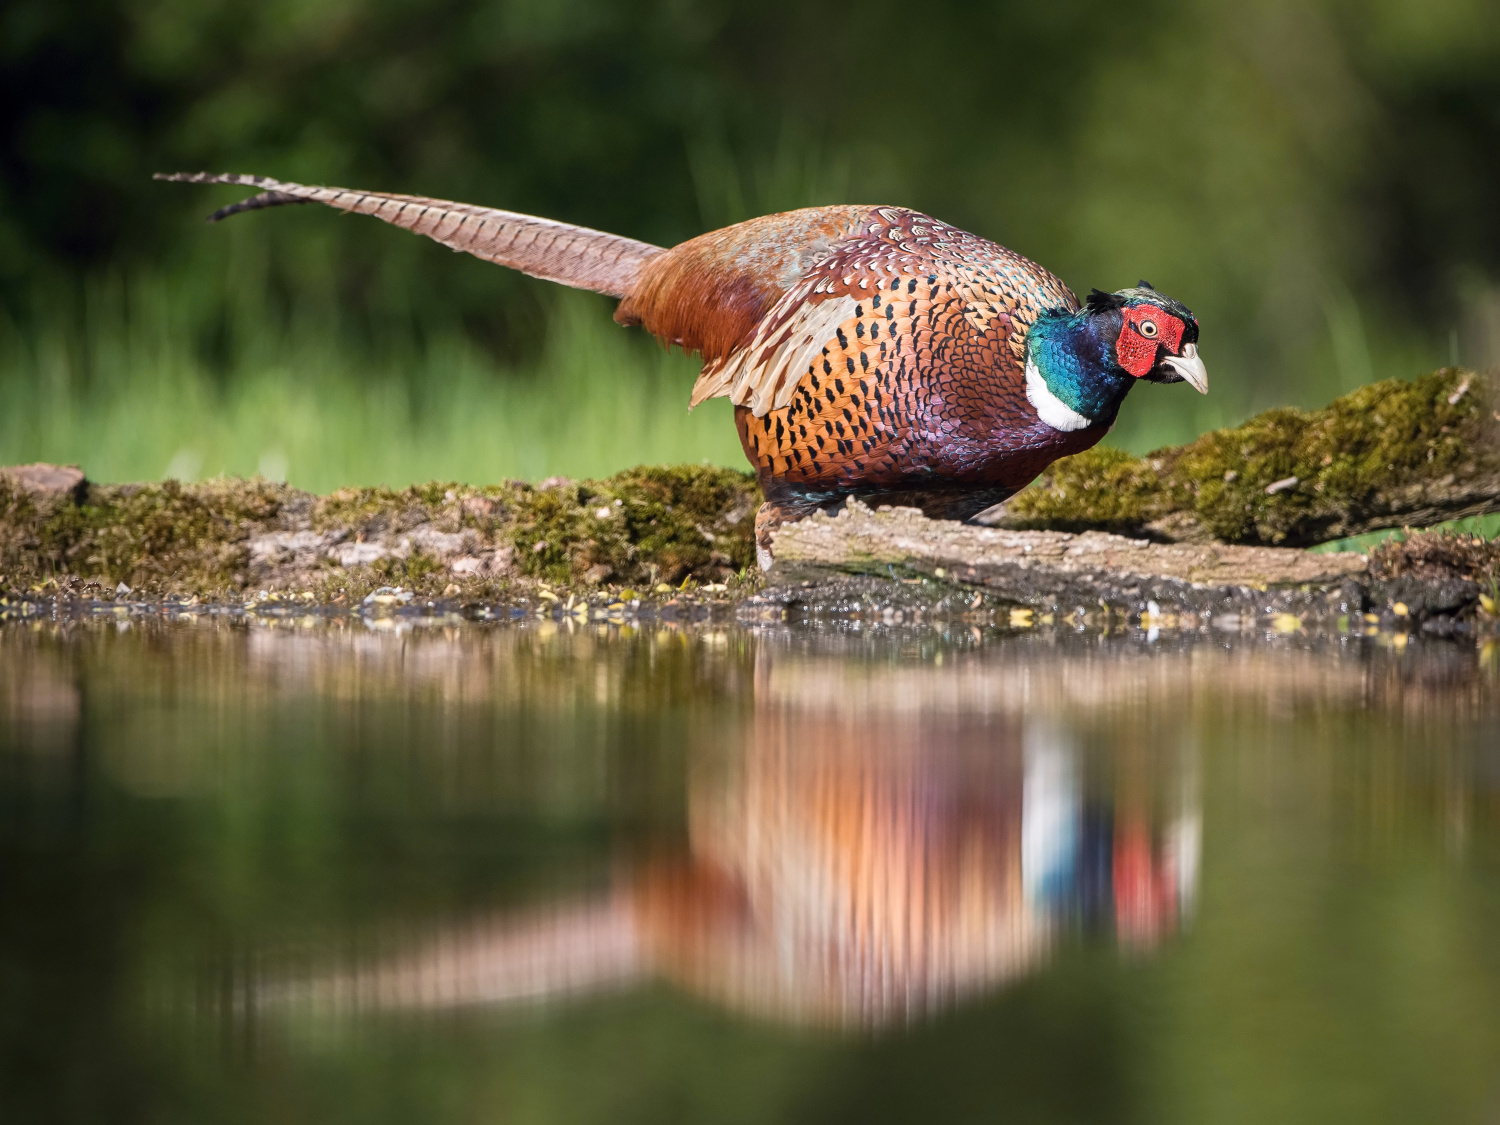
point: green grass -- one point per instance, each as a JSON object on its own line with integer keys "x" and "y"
{"x": 127, "y": 395}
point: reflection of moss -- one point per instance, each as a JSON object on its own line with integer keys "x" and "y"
{"x": 1377, "y": 437}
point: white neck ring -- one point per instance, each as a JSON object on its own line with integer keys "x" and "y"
{"x": 1049, "y": 408}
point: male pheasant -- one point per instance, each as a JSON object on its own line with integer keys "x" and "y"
{"x": 869, "y": 351}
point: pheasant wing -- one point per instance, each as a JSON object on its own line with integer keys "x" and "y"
{"x": 901, "y": 282}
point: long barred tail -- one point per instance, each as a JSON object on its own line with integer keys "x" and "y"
{"x": 569, "y": 255}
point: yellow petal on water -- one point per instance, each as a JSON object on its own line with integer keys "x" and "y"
{"x": 1489, "y": 605}
{"x": 663, "y": 588}
{"x": 1020, "y": 619}
{"x": 1399, "y": 609}
{"x": 1287, "y": 623}
{"x": 548, "y": 594}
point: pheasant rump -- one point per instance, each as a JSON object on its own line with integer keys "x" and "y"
{"x": 869, "y": 351}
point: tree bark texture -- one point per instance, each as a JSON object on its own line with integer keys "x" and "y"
{"x": 1067, "y": 574}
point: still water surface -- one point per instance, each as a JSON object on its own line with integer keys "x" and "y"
{"x": 526, "y": 874}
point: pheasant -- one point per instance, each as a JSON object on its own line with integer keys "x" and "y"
{"x": 869, "y": 351}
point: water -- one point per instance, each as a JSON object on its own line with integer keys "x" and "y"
{"x": 452, "y": 873}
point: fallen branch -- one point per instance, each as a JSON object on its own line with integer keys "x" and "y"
{"x": 1068, "y": 574}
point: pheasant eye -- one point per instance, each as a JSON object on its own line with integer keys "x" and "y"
{"x": 1148, "y": 329}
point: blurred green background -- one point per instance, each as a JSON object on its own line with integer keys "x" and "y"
{"x": 1320, "y": 182}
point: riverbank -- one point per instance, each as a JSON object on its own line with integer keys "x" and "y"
{"x": 1202, "y": 541}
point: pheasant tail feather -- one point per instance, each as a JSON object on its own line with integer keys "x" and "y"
{"x": 553, "y": 251}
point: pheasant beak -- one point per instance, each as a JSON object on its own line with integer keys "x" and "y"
{"x": 1188, "y": 367}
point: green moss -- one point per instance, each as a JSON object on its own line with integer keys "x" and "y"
{"x": 1103, "y": 489}
{"x": 378, "y": 510}
{"x": 148, "y": 536}
{"x": 641, "y": 527}
{"x": 1378, "y": 437}
{"x": 645, "y": 525}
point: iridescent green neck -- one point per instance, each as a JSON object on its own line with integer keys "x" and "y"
{"x": 1074, "y": 355}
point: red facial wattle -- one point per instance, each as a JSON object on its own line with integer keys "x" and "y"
{"x": 1146, "y": 328}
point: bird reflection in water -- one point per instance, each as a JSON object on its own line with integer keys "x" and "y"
{"x": 858, "y": 855}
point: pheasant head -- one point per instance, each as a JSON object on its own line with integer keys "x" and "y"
{"x": 1080, "y": 364}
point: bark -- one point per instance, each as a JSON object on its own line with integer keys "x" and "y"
{"x": 1067, "y": 574}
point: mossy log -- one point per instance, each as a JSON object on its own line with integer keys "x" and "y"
{"x": 1391, "y": 454}
{"x": 1386, "y": 455}
{"x": 222, "y": 538}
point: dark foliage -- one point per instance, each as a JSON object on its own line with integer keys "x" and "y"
{"x": 1436, "y": 555}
